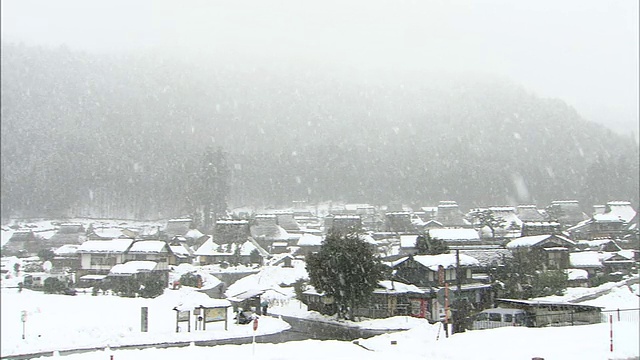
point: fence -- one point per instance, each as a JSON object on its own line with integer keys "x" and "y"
{"x": 553, "y": 318}
{"x": 621, "y": 315}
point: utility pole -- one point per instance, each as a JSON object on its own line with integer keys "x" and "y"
{"x": 456, "y": 298}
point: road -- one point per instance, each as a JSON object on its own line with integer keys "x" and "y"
{"x": 301, "y": 329}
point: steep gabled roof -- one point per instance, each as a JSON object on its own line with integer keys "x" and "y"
{"x": 433, "y": 262}
{"x": 540, "y": 240}
{"x": 147, "y": 246}
{"x": 454, "y": 234}
{"x": 105, "y": 246}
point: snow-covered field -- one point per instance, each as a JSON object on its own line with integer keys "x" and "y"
{"x": 58, "y": 322}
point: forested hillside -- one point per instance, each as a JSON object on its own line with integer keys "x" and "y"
{"x": 123, "y": 136}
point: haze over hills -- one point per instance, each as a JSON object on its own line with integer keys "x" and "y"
{"x": 121, "y": 135}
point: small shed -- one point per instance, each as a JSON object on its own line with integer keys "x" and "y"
{"x": 204, "y": 311}
{"x": 547, "y": 313}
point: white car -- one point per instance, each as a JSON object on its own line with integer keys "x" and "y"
{"x": 498, "y": 317}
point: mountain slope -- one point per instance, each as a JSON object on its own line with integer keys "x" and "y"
{"x": 122, "y": 135}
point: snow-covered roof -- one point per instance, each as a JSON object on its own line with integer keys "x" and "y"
{"x": 69, "y": 249}
{"x": 269, "y": 277}
{"x": 367, "y": 238}
{"x": 108, "y": 233}
{"x": 92, "y": 277}
{"x": 180, "y": 250}
{"x": 586, "y": 259}
{"x": 608, "y": 217}
{"x": 209, "y": 281}
{"x": 105, "y": 246}
{"x": 183, "y": 220}
{"x": 232, "y": 222}
{"x": 487, "y": 257}
{"x": 193, "y": 234}
{"x": 629, "y": 254}
{"x": 310, "y": 240}
{"x": 191, "y": 299}
{"x": 454, "y": 234}
{"x": 269, "y": 231}
{"x": 396, "y": 287}
{"x": 528, "y": 241}
{"x": 433, "y": 262}
{"x": 147, "y": 246}
{"x": 133, "y": 267}
{"x": 621, "y": 209}
{"x": 408, "y": 241}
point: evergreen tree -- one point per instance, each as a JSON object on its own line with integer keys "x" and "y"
{"x": 486, "y": 217}
{"x": 53, "y": 286}
{"x": 347, "y": 269}
{"x": 426, "y": 245}
{"x": 209, "y": 189}
{"x": 523, "y": 276}
{"x": 189, "y": 279}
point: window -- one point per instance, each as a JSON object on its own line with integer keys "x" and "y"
{"x": 520, "y": 319}
{"x": 495, "y": 317}
{"x": 482, "y": 317}
{"x": 508, "y": 318}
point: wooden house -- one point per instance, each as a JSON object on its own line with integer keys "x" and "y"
{"x": 24, "y": 243}
{"x": 443, "y": 274}
{"x": 177, "y": 227}
{"x": 394, "y": 298}
{"x": 97, "y": 257}
{"x": 566, "y": 212}
{"x": 68, "y": 233}
{"x": 249, "y": 252}
{"x": 554, "y": 249}
{"x": 607, "y": 225}
{"x": 399, "y": 222}
{"x": 341, "y": 222}
{"x": 66, "y": 257}
{"x": 157, "y": 251}
{"x": 449, "y": 215}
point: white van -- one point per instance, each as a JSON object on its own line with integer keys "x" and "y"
{"x": 498, "y": 317}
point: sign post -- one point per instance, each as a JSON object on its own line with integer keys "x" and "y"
{"x": 23, "y": 317}
{"x": 610, "y": 333}
{"x": 144, "y": 318}
{"x": 255, "y": 327}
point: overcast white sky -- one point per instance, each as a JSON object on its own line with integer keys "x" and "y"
{"x": 583, "y": 51}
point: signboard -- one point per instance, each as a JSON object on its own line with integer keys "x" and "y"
{"x": 418, "y": 307}
{"x": 255, "y": 324}
{"x": 23, "y": 316}
{"x": 215, "y": 314}
{"x": 183, "y": 315}
{"x": 440, "y": 296}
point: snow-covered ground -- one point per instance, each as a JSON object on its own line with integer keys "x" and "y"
{"x": 59, "y": 322}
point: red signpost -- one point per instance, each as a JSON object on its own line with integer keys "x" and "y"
{"x": 610, "y": 333}
{"x": 255, "y": 327}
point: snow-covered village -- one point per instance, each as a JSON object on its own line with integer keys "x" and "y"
{"x": 451, "y": 280}
{"x": 319, "y": 179}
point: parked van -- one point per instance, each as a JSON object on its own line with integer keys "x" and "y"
{"x": 498, "y": 317}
